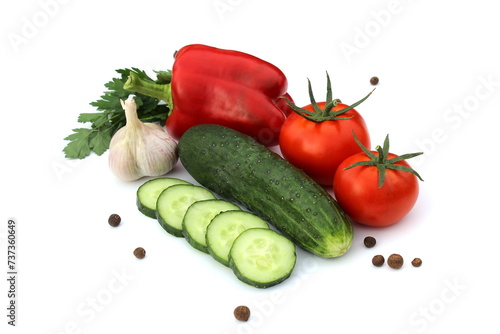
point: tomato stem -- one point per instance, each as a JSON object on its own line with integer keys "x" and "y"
{"x": 380, "y": 160}
{"x": 381, "y": 157}
{"x": 325, "y": 114}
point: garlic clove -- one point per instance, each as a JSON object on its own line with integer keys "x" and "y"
{"x": 141, "y": 149}
{"x": 161, "y": 154}
{"x": 121, "y": 157}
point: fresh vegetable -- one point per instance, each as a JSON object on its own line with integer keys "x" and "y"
{"x": 140, "y": 149}
{"x": 211, "y": 85}
{"x": 173, "y": 203}
{"x": 111, "y": 116}
{"x": 238, "y": 168}
{"x": 216, "y": 86}
{"x": 198, "y": 216}
{"x": 262, "y": 257}
{"x": 148, "y": 193}
{"x": 225, "y": 227}
{"x": 211, "y": 225}
{"x": 376, "y": 188}
{"x": 318, "y": 137}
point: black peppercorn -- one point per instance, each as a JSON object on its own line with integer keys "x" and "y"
{"x": 378, "y": 260}
{"x": 114, "y": 220}
{"x": 417, "y": 262}
{"x": 369, "y": 242}
{"x": 242, "y": 313}
{"x": 139, "y": 253}
{"x": 395, "y": 261}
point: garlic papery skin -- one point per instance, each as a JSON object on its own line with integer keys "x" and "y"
{"x": 140, "y": 149}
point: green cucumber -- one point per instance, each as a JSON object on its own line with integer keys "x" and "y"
{"x": 148, "y": 193}
{"x": 225, "y": 228}
{"x": 262, "y": 257}
{"x": 198, "y": 216}
{"x": 173, "y": 203}
{"x": 238, "y": 168}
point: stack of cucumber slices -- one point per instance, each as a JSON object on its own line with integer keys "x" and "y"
{"x": 258, "y": 255}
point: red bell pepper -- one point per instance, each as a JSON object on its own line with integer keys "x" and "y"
{"x": 226, "y": 87}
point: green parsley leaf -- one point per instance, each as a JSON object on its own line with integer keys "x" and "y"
{"x": 99, "y": 141}
{"x": 79, "y": 146}
{"x": 111, "y": 116}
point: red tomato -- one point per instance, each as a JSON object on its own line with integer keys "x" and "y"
{"x": 358, "y": 190}
{"x": 319, "y": 147}
{"x": 318, "y": 137}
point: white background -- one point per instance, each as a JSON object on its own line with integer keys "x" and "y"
{"x": 439, "y": 92}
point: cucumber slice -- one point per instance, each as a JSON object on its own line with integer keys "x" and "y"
{"x": 148, "y": 193}
{"x": 173, "y": 203}
{"x": 225, "y": 228}
{"x": 262, "y": 257}
{"x": 198, "y": 216}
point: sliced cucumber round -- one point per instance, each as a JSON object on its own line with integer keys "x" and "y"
{"x": 225, "y": 228}
{"x": 173, "y": 203}
{"x": 262, "y": 257}
{"x": 148, "y": 193}
{"x": 198, "y": 216}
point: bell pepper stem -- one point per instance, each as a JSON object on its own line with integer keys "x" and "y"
{"x": 162, "y": 92}
{"x": 164, "y": 77}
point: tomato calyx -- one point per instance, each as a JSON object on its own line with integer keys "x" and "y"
{"x": 382, "y": 162}
{"x": 324, "y": 114}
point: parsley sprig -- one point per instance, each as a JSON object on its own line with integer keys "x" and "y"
{"x": 111, "y": 116}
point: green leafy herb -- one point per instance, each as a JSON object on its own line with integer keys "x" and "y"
{"x": 111, "y": 116}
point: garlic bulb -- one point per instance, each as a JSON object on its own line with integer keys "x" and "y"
{"x": 140, "y": 149}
